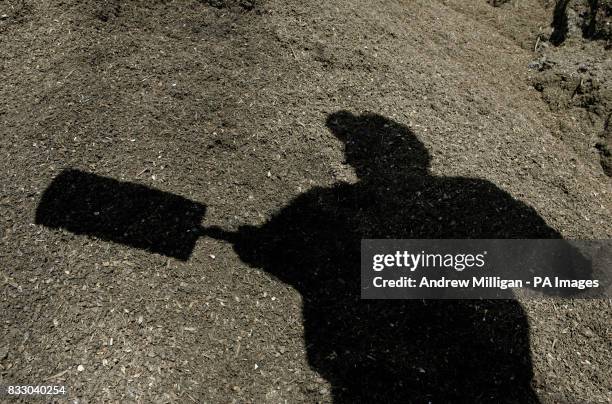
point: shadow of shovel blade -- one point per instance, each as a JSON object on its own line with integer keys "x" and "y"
{"x": 121, "y": 212}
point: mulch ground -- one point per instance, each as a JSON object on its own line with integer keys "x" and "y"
{"x": 241, "y": 115}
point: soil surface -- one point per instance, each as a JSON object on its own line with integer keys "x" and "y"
{"x": 238, "y": 151}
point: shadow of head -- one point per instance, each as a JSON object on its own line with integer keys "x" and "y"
{"x": 122, "y": 212}
{"x": 377, "y": 147}
{"x": 384, "y": 151}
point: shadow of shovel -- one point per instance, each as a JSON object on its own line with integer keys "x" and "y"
{"x": 170, "y": 225}
{"x": 122, "y": 212}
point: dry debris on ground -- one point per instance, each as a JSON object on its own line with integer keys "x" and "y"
{"x": 225, "y": 103}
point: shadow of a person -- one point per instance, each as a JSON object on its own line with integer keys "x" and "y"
{"x": 397, "y": 351}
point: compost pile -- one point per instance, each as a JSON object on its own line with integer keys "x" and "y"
{"x": 243, "y": 107}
